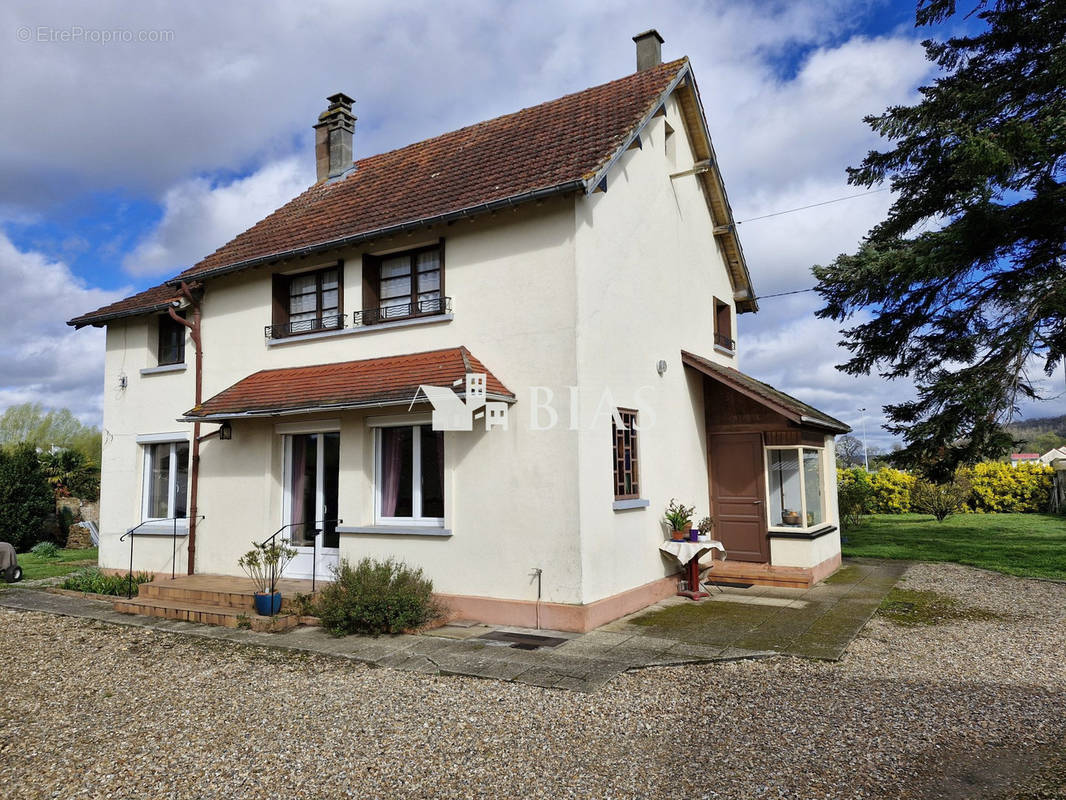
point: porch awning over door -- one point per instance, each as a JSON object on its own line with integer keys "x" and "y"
{"x": 370, "y": 383}
{"x": 762, "y": 393}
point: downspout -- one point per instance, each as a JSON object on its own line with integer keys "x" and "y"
{"x": 194, "y": 467}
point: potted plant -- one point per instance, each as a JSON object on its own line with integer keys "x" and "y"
{"x": 679, "y": 518}
{"x": 790, "y": 517}
{"x": 705, "y": 527}
{"x": 264, "y": 564}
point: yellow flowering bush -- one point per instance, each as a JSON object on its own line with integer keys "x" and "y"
{"x": 891, "y": 491}
{"x": 1000, "y": 488}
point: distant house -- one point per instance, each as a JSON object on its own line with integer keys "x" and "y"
{"x": 575, "y": 264}
{"x": 1053, "y": 455}
{"x": 1023, "y": 458}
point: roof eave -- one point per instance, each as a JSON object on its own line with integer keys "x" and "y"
{"x": 99, "y": 320}
{"x": 391, "y": 230}
{"x": 288, "y": 412}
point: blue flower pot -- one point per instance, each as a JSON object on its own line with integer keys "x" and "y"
{"x": 267, "y": 605}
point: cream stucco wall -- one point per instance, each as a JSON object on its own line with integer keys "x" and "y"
{"x": 648, "y": 272}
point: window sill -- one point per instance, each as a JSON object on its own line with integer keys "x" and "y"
{"x": 162, "y": 528}
{"x": 629, "y": 505}
{"x": 163, "y": 369}
{"x": 725, "y": 351}
{"x": 800, "y": 533}
{"x": 398, "y": 323}
{"x": 394, "y": 530}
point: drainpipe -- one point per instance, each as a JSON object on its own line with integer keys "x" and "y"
{"x": 194, "y": 467}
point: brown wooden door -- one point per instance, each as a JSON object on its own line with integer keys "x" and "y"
{"x": 739, "y": 495}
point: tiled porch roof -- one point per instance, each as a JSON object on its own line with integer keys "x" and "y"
{"x": 370, "y": 383}
{"x": 788, "y": 406}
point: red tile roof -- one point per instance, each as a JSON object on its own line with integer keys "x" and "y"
{"x": 155, "y": 299}
{"x": 549, "y": 146}
{"x": 351, "y": 384}
{"x": 764, "y": 393}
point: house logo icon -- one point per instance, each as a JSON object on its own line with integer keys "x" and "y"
{"x": 453, "y": 414}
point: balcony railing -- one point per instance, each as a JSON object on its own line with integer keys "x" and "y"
{"x": 419, "y": 308}
{"x": 330, "y": 322}
{"x": 368, "y": 316}
{"x": 725, "y": 342}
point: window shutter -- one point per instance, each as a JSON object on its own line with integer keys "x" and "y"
{"x": 371, "y": 282}
{"x": 280, "y": 305}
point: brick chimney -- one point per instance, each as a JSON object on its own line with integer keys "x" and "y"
{"x": 333, "y": 137}
{"x": 649, "y": 49}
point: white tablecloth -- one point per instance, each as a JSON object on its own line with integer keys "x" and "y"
{"x": 686, "y": 551}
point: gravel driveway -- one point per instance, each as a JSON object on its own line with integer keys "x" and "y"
{"x": 965, "y": 709}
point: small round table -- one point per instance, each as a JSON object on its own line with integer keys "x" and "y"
{"x": 688, "y": 555}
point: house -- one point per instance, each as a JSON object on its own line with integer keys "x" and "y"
{"x": 1024, "y": 458}
{"x": 1051, "y": 456}
{"x": 571, "y": 273}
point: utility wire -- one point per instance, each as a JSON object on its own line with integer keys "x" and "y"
{"x": 814, "y": 205}
{"x": 782, "y": 294}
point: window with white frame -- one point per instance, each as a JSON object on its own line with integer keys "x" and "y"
{"x": 409, "y": 486}
{"x": 795, "y": 487}
{"x": 166, "y": 480}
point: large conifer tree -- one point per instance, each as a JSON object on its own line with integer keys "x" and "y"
{"x": 963, "y": 286}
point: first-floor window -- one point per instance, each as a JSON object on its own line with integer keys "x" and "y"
{"x": 166, "y": 471}
{"x": 795, "y": 487}
{"x": 410, "y": 475}
{"x": 626, "y": 474}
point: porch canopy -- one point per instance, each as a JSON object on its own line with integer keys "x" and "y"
{"x": 793, "y": 410}
{"x": 370, "y": 383}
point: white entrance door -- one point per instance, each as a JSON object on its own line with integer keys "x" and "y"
{"x": 312, "y": 463}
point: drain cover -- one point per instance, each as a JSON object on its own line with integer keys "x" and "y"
{"x": 522, "y": 641}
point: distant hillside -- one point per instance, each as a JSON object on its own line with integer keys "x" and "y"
{"x": 1039, "y": 435}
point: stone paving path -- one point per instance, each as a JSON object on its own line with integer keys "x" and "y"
{"x": 736, "y": 624}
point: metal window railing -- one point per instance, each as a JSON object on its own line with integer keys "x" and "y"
{"x": 418, "y": 308}
{"x": 330, "y": 322}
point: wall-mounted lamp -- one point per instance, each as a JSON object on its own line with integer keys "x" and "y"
{"x": 225, "y": 431}
{"x": 661, "y": 368}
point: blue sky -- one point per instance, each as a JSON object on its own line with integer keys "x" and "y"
{"x": 124, "y": 162}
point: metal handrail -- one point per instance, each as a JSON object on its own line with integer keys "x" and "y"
{"x": 173, "y": 546}
{"x": 314, "y": 549}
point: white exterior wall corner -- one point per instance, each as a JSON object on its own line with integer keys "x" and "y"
{"x": 513, "y": 494}
{"x": 648, "y": 268}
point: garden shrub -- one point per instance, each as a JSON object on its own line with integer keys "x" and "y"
{"x": 891, "y": 491}
{"x": 45, "y": 550}
{"x": 999, "y": 488}
{"x": 92, "y": 580}
{"x": 26, "y": 499}
{"x": 854, "y": 494}
{"x": 940, "y": 499}
{"x": 377, "y": 597}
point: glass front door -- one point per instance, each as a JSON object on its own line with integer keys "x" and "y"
{"x": 311, "y": 493}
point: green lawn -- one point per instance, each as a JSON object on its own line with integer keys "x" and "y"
{"x": 34, "y": 567}
{"x": 1030, "y": 545}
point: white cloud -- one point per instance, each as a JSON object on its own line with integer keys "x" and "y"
{"x": 200, "y": 215}
{"x": 41, "y": 359}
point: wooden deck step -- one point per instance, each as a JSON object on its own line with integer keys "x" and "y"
{"x": 759, "y": 574}
{"x": 206, "y": 613}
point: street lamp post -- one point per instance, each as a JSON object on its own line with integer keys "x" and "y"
{"x": 865, "y": 457}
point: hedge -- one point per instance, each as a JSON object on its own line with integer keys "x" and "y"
{"x": 997, "y": 488}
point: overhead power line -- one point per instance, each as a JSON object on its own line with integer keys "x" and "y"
{"x": 814, "y": 205}
{"x": 782, "y": 294}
